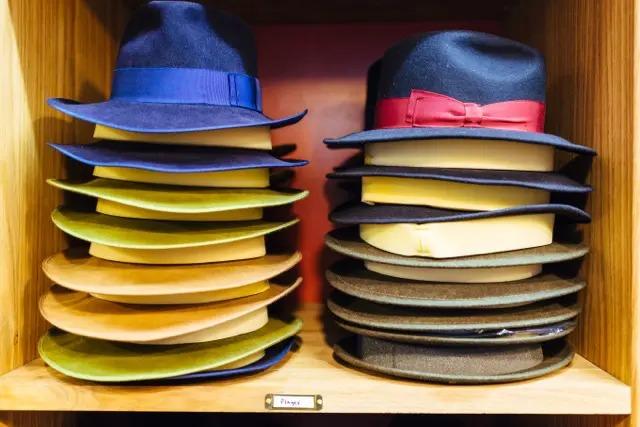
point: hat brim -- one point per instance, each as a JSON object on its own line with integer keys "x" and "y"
{"x": 179, "y": 199}
{"x": 171, "y": 159}
{"x": 354, "y": 279}
{"x": 105, "y": 361}
{"x": 75, "y": 269}
{"x": 362, "y": 213}
{"x": 547, "y": 181}
{"x": 400, "y": 134}
{"x": 346, "y": 241}
{"x": 557, "y": 354}
{"x": 82, "y": 314}
{"x": 273, "y": 355}
{"x": 165, "y": 118}
{"x": 155, "y": 234}
{"x": 384, "y": 316}
{"x": 521, "y": 335}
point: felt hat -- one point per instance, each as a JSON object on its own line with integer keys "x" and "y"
{"x": 181, "y": 67}
{"x": 74, "y": 269}
{"x": 151, "y": 234}
{"x": 272, "y": 356}
{"x": 179, "y": 199}
{"x": 494, "y": 337}
{"x": 547, "y": 181}
{"x": 384, "y": 316}
{"x": 346, "y": 241}
{"x": 353, "y": 279}
{"x": 460, "y": 84}
{"x": 362, "y": 213}
{"x": 82, "y": 314}
{"x": 172, "y": 158}
{"x": 105, "y": 361}
{"x": 455, "y": 365}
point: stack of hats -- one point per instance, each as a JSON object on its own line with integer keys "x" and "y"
{"x": 177, "y": 278}
{"x": 453, "y": 272}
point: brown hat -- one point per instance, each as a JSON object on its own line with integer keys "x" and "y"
{"x": 352, "y": 278}
{"x": 454, "y": 365}
{"x": 388, "y": 317}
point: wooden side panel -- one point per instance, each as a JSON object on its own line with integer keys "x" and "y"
{"x": 589, "y": 46}
{"x": 49, "y": 48}
{"x": 38, "y": 419}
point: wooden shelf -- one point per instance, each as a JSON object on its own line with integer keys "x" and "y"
{"x": 582, "y": 388}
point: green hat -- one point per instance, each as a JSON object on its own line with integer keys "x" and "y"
{"x": 179, "y": 199}
{"x": 98, "y": 360}
{"x": 152, "y": 234}
{"x": 455, "y": 365}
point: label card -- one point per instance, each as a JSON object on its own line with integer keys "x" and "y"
{"x": 312, "y": 402}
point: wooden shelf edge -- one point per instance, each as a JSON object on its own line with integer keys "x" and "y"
{"x": 582, "y": 388}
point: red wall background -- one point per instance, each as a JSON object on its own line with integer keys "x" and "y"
{"x": 323, "y": 68}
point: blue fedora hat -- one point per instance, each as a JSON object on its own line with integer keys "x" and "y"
{"x": 181, "y": 67}
{"x": 460, "y": 84}
{"x": 172, "y": 158}
{"x": 352, "y": 213}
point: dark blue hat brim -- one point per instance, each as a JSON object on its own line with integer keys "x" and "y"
{"x": 397, "y": 134}
{"x": 273, "y": 356}
{"x": 362, "y": 213}
{"x": 171, "y": 158}
{"x": 164, "y": 118}
{"x": 548, "y": 181}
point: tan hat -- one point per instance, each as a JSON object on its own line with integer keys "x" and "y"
{"x": 153, "y": 284}
{"x": 82, "y": 314}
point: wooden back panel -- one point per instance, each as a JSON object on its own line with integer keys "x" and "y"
{"x": 324, "y": 68}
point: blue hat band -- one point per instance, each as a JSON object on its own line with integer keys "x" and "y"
{"x": 186, "y": 86}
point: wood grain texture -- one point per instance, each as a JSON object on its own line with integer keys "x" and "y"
{"x": 49, "y": 48}
{"x": 589, "y": 47}
{"x": 38, "y": 419}
{"x": 350, "y": 11}
{"x": 582, "y": 389}
{"x": 635, "y": 319}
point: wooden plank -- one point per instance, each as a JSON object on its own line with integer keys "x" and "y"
{"x": 348, "y": 11}
{"x": 38, "y": 419}
{"x": 51, "y": 48}
{"x": 580, "y": 389}
{"x": 589, "y": 48}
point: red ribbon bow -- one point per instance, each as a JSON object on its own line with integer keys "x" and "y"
{"x": 429, "y": 109}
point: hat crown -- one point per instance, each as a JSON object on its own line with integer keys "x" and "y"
{"x": 466, "y": 65}
{"x": 180, "y": 34}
